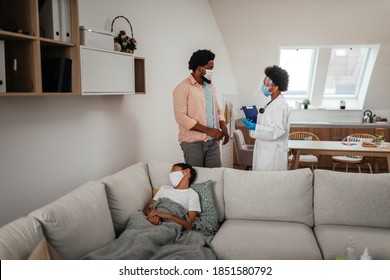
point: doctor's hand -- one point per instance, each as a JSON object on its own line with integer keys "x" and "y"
{"x": 249, "y": 124}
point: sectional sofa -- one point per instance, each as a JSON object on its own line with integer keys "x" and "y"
{"x": 282, "y": 215}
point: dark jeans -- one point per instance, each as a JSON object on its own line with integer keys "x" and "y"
{"x": 202, "y": 154}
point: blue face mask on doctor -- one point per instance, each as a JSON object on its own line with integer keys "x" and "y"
{"x": 264, "y": 88}
{"x": 266, "y": 91}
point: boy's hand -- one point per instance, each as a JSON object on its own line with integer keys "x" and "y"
{"x": 153, "y": 213}
{"x": 154, "y": 220}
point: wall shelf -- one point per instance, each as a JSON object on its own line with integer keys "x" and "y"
{"x": 29, "y": 50}
{"x": 139, "y": 75}
{"x": 33, "y": 51}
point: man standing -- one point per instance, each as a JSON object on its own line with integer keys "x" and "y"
{"x": 198, "y": 115}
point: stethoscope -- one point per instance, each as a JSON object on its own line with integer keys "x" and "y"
{"x": 262, "y": 110}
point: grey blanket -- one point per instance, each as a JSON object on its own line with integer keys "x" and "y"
{"x": 142, "y": 240}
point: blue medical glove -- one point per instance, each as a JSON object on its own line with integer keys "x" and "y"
{"x": 249, "y": 124}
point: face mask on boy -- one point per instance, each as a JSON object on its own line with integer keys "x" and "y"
{"x": 176, "y": 177}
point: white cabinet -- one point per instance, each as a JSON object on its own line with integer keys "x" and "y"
{"x": 106, "y": 72}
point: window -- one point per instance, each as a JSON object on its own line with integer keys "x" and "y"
{"x": 344, "y": 71}
{"x": 299, "y": 63}
{"x": 327, "y": 74}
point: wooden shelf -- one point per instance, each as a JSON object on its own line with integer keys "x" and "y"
{"x": 33, "y": 52}
{"x": 55, "y": 43}
{"x": 7, "y": 35}
{"x": 139, "y": 74}
{"x": 29, "y": 50}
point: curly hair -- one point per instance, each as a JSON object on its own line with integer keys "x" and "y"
{"x": 278, "y": 76}
{"x": 185, "y": 166}
{"x": 200, "y": 58}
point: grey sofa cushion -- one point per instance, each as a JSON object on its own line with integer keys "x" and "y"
{"x": 159, "y": 175}
{"x": 351, "y": 199}
{"x": 127, "y": 191}
{"x": 265, "y": 240}
{"x": 78, "y": 222}
{"x": 19, "y": 238}
{"x": 332, "y": 240}
{"x": 269, "y": 195}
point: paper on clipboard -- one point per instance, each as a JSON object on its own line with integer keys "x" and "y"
{"x": 251, "y": 112}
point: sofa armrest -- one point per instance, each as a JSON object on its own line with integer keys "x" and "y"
{"x": 19, "y": 238}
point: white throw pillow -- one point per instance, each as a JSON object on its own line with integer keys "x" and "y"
{"x": 127, "y": 191}
{"x": 79, "y": 222}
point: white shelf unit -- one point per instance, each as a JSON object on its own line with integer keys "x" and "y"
{"x": 105, "y": 72}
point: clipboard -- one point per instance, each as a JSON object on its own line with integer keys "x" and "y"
{"x": 251, "y": 112}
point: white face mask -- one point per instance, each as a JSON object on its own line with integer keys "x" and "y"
{"x": 209, "y": 74}
{"x": 176, "y": 177}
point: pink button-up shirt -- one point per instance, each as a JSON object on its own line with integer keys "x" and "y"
{"x": 189, "y": 105}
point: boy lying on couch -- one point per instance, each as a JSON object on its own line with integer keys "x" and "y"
{"x": 157, "y": 232}
{"x": 181, "y": 176}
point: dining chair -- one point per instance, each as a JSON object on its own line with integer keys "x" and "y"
{"x": 304, "y": 159}
{"x": 244, "y": 151}
{"x": 357, "y": 161}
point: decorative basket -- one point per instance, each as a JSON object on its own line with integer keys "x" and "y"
{"x": 126, "y": 43}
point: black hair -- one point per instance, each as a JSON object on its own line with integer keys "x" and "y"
{"x": 278, "y": 76}
{"x": 184, "y": 166}
{"x": 200, "y": 58}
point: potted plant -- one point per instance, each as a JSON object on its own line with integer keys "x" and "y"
{"x": 126, "y": 43}
{"x": 342, "y": 104}
{"x": 306, "y": 103}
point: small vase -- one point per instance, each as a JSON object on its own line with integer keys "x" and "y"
{"x": 117, "y": 47}
{"x": 305, "y": 106}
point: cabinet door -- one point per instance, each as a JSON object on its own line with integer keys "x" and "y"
{"x": 106, "y": 72}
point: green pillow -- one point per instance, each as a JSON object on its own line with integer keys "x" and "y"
{"x": 207, "y": 202}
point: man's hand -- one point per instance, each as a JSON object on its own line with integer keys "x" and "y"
{"x": 225, "y": 133}
{"x": 217, "y": 134}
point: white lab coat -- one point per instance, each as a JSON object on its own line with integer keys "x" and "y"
{"x": 271, "y": 134}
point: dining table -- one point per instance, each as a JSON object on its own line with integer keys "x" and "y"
{"x": 336, "y": 148}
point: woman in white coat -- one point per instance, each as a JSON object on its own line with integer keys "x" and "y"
{"x": 272, "y": 127}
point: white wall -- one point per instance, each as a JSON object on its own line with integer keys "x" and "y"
{"x": 50, "y": 145}
{"x": 253, "y": 30}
